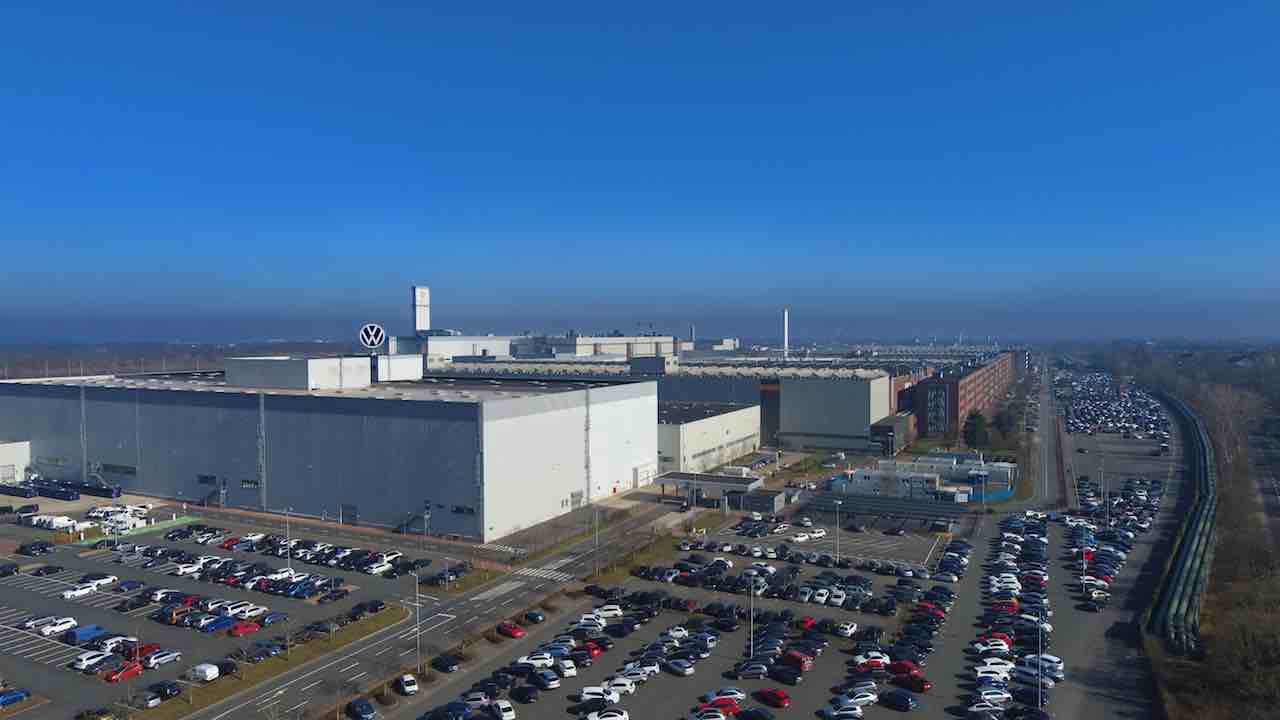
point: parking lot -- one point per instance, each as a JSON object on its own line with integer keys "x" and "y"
{"x": 876, "y": 541}
{"x": 36, "y": 590}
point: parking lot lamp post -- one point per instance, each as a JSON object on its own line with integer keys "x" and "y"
{"x": 289, "y": 548}
{"x": 417, "y": 617}
{"x": 751, "y": 619}
{"x": 837, "y": 530}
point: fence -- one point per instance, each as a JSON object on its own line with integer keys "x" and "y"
{"x": 1175, "y": 615}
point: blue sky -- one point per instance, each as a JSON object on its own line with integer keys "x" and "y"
{"x": 923, "y": 169}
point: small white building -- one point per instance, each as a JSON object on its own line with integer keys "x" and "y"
{"x": 14, "y": 459}
{"x": 696, "y": 437}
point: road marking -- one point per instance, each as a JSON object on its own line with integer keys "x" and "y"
{"x": 344, "y": 669}
{"x": 406, "y": 652}
{"x": 353, "y": 678}
{"x": 295, "y": 707}
{"x": 381, "y": 651}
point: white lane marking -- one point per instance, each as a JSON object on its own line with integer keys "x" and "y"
{"x": 353, "y": 678}
{"x": 348, "y": 667}
{"x": 295, "y": 707}
{"x": 381, "y": 651}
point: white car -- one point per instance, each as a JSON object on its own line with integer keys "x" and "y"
{"x": 648, "y": 667}
{"x": 621, "y": 686}
{"x": 85, "y": 660}
{"x": 79, "y": 591}
{"x": 818, "y": 533}
{"x": 842, "y": 712}
{"x": 189, "y": 569}
{"x": 111, "y": 644}
{"x": 609, "y": 611}
{"x": 503, "y": 709}
{"x": 873, "y": 655}
{"x": 820, "y": 596}
{"x": 991, "y": 672}
{"x": 733, "y": 693}
{"x": 846, "y": 629}
{"x": 57, "y": 626}
{"x": 806, "y": 522}
{"x": 707, "y": 714}
{"x": 103, "y": 581}
{"x": 994, "y": 662}
{"x": 161, "y": 657}
{"x": 800, "y": 537}
{"x": 781, "y": 528}
{"x": 377, "y": 568}
{"x": 837, "y": 598}
{"x": 992, "y": 695}
{"x": 609, "y": 714}
{"x": 250, "y": 613}
{"x": 592, "y": 692}
{"x": 756, "y": 551}
{"x": 538, "y": 660}
{"x": 39, "y": 622}
{"x": 677, "y": 632}
{"x": 865, "y": 697}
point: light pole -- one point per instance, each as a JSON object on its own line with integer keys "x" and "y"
{"x": 837, "y": 530}
{"x": 417, "y": 617}
{"x": 288, "y": 547}
{"x": 751, "y": 620}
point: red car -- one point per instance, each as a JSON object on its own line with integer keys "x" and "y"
{"x": 933, "y": 613}
{"x": 228, "y": 543}
{"x": 774, "y": 697}
{"x": 996, "y": 635}
{"x": 914, "y": 682}
{"x": 135, "y": 652}
{"x": 926, "y": 605}
{"x": 593, "y": 649}
{"x": 726, "y": 705}
{"x": 903, "y": 667}
{"x": 244, "y": 627}
{"x": 511, "y": 630}
{"x": 189, "y": 600}
{"x": 806, "y": 622}
{"x": 126, "y": 671}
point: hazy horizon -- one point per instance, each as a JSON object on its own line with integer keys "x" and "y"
{"x": 1025, "y": 172}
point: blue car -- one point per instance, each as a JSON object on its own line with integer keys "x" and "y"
{"x": 272, "y": 618}
{"x": 361, "y": 709}
{"x": 129, "y": 585}
{"x": 901, "y": 700}
{"x": 13, "y": 697}
{"x": 222, "y": 623}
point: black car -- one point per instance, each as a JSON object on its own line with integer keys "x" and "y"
{"x": 446, "y": 663}
{"x": 47, "y": 570}
{"x": 525, "y": 694}
{"x": 166, "y": 690}
{"x": 589, "y": 706}
{"x": 786, "y": 675}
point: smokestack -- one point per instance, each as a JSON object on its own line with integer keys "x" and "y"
{"x": 421, "y": 309}
{"x": 693, "y": 335}
{"x": 786, "y": 332}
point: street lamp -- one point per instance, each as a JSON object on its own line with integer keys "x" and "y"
{"x": 417, "y": 613}
{"x": 838, "y": 504}
{"x": 288, "y": 546}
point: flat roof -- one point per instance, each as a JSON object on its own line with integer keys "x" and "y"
{"x": 437, "y": 388}
{"x": 679, "y": 413}
{"x": 708, "y": 481}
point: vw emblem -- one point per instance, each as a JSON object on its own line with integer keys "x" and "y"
{"x": 372, "y": 335}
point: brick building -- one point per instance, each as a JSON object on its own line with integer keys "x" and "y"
{"x": 942, "y": 402}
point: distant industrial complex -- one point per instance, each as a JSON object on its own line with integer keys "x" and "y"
{"x": 481, "y": 436}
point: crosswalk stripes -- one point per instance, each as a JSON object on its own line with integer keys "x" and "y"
{"x": 545, "y": 574}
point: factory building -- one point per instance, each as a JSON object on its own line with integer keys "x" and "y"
{"x": 696, "y": 437}
{"x": 832, "y": 413}
{"x": 475, "y": 458}
{"x": 636, "y": 346}
{"x": 943, "y": 401}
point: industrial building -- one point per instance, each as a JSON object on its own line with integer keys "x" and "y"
{"x": 696, "y": 437}
{"x": 942, "y": 402}
{"x": 470, "y": 457}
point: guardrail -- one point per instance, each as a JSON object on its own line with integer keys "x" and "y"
{"x": 1175, "y": 616}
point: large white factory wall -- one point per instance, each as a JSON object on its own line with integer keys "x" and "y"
{"x": 536, "y": 452}
{"x": 706, "y": 443}
{"x": 14, "y": 459}
{"x": 831, "y": 413}
{"x": 624, "y": 437}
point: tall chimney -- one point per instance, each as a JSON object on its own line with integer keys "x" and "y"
{"x": 421, "y": 309}
{"x": 786, "y": 332}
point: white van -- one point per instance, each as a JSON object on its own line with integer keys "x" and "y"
{"x": 204, "y": 672}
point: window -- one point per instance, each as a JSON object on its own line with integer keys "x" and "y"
{"x": 207, "y": 479}
{"x": 251, "y": 484}
{"x": 118, "y": 469}
{"x": 464, "y": 510}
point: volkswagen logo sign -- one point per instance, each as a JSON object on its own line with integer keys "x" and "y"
{"x": 372, "y": 335}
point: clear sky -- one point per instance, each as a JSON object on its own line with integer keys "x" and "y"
{"x": 175, "y": 170}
